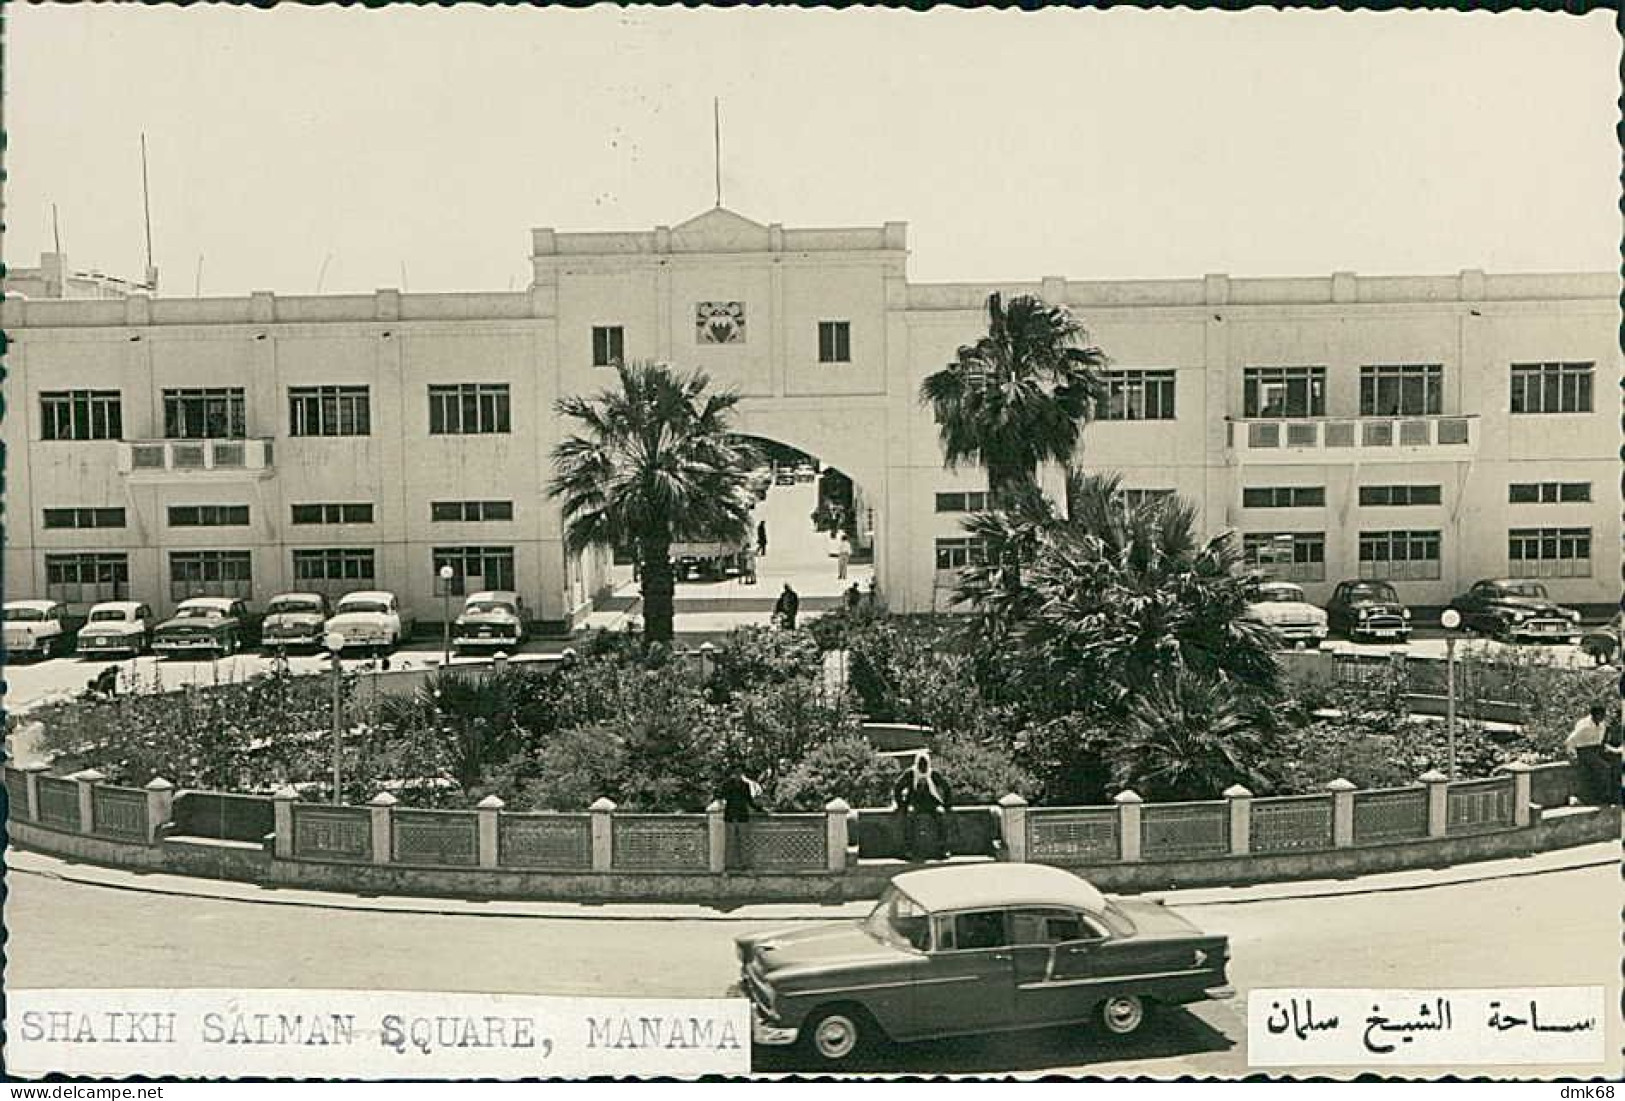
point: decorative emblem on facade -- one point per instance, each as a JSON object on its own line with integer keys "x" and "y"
{"x": 720, "y": 322}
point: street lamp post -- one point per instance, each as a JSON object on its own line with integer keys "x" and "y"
{"x": 1450, "y": 620}
{"x": 446, "y": 573}
{"x": 335, "y": 646}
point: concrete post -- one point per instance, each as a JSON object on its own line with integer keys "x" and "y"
{"x": 87, "y": 781}
{"x": 1013, "y": 825}
{"x": 488, "y": 810}
{"x": 499, "y": 662}
{"x": 382, "y": 807}
{"x": 285, "y": 798}
{"x": 1342, "y": 812}
{"x": 603, "y": 837}
{"x": 716, "y": 832}
{"x": 1128, "y": 825}
{"x": 1522, "y": 791}
{"x": 1241, "y": 819}
{"x": 160, "y": 806}
{"x": 1438, "y": 802}
{"x": 836, "y": 812}
{"x": 31, "y": 774}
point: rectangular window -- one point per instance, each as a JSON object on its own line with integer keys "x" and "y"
{"x": 210, "y": 573}
{"x": 469, "y": 409}
{"x": 1283, "y": 497}
{"x": 1402, "y": 390}
{"x": 1136, "y": 498}
{"x": 208, "y": 516}
{"x": 834, "y": 342}
{"x": 1389, "y": 496}
{"x": 1551, "y": 387}
{"x": 352, "y": 567}
{"x": 87, "y": 578}
{"x": 84, "y": 518}
{"x": 608, "y": 345}
{"x": 474, "y": 568}
{"x": 337, "y": 513}
{"x": 1548, "y": 493}
{"x": 81, "y": 415}
{"x": 1138, "y": 396}
{"x": 1399, "y": 555}
{"x": 955, "y": 554}
{"x": 1549, "y": 552}
{"x": 329, "y": 411}
{"x": 216, "y": 413}
{"x": 1283, "y": 392}
{"x": 974, "y": 500}
{"x": 1286, "y": 556}
{"x": 470, "y": 511}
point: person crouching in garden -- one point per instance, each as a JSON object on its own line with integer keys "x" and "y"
{"x": 924, "y": 800}
{"x": 1594, "y": 744}
{"x": 739, "y": 795}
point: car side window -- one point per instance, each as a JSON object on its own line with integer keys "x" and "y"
{"x": 979, "y": 929}
{"x": 1048, "y": 927}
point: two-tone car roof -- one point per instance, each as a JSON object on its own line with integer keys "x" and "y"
{"x": 297, "y": 596}
{"x": 222, "y": 602}
{"x": 116, "y": 606}
{"x": 495, "y": 596}
{"x": 999, "y": 885}
{"x": 368, "y": 594}
{"x": 35, "y": 605}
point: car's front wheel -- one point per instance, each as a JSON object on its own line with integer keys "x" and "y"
{"x": 838, "y": 1035}
{"x": 1123, "y": 1015}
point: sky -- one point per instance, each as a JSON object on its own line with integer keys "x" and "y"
{"x": 349, "y": 149}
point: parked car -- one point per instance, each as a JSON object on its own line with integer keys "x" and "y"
{"x": 1603, "y": 643}
{"x": 116, "y": 627}
{"x": 295, "y": 620}
{"x": 36, "y": 628}
{"x": 1368, "y": 609}
{"x": 973, "y": 949}
{"x": 491, "y": 620}
{"x": 216, "y": 625}
{"x": 1281, "y": 605}
{"x": 1515, "y": 608}
{"x": 371, "y": 620}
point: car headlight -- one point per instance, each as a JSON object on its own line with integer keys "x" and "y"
{"x": 1572, "y": 615}
{"x": 1518, "y": 617}
{"x": 1362, "y": 612}
{"x": 1404, "y": 613}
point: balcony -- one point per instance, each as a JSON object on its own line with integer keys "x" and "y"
{"x": 1351, "y": 439}
{"x": 204, "y": 460}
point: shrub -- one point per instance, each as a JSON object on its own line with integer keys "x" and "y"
{"x": 845, "y": 767}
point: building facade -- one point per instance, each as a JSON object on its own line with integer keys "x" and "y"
{"x": 1425, "y": 430}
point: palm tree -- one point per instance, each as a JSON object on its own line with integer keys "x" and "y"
{"x": 1191, "y": 737}
{"x": 656, "y": 464}
{"x": 1019, "y": 395}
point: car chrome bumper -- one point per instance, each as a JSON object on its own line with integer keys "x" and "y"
{"x": 1545, "y": 631}
{"x": 1301, "y": 632}
{"x": 1221, "y": 993}
{"x": 763, "y": 1031}
{"x": 107, "y": 646}
{"x": 477, "y": 643}
{"x": 161, "y": 646}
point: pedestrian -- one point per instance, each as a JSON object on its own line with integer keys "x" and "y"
{"x": 853, "y": 597}
{"x": 739, "y": 795}
{"x": 1596, "y": 763}
{"x": 869, "y": 594}
{"x": 924, "y": 800}
{"x": 748, "y": 570}
{"x": 761, "y": 538}
{"x": 785, "y": 609}
{"x": 843, "y": 554}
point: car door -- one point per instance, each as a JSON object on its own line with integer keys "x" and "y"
{"x": 968, "y": 982}
{"x": 1053, "y": 950}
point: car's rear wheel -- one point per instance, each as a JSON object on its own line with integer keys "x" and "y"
{"x": 837, "y": 1035}
{"x": 1122, "y": 1015}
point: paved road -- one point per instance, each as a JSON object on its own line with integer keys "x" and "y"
{"x": 1555, "y": 928}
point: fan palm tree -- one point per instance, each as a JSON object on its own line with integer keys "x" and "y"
{"x": 1019, "y": 395}
{"x": 1191, "y": 737}
{"x": 655, "y": 463}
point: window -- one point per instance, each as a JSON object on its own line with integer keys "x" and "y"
{"x": 1399, "y": 555}
{"x": 1402, "y": 390}
{"x": 1551, "y": 387}
{"x": 608, "y": 345}
{"x": 84, "y": 518}
{"x": 955, "y": 554}
{"x": 969, "y": 501}
{"x": 329, "y": 411}
{"x": 207, "y": 516}
{"x": 1138, "y": 396}
{"x": 355, "y": 566}
{"x": 475, "y": 568}
{"x": 1389, "y": 496}
{"x": 1049, "y": 927}
{"x": 1286, "y": 556}
{"x": 210, "y": 573}
{"x": 87, "y": 578}
{"x": 1283, "y": 392}
{"x": 1548, "y": 493}
{"x": 469, "y": 409}
{"x": 470, "y": 511}
{"x": 1283, "y": 497}
{"x": 834, "y": 342}
{"x": 1549, "y": 552}
{"x": 81, "y": 415}
{"x": 1139, "y": 498}
{"x": 978, "y": 929}
{"x": 332, "y": 514}
{"x": 211, "y": 414}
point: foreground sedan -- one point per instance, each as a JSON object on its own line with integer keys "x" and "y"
{"x": 975, "y": 949}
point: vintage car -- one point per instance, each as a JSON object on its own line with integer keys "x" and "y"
{"x": 491, "y": 620}
{"x": 1514, "y": 609}
{"x": 215, "y": 625}
{"x": 295, "y": 620}
{"x": 1603, "y": 643}
{"x": 1281, "y": 606}
{"x": 371, "y": 620}
{"x": 1368, "y": 609}
{"x": 972, "y": 949}
{"x": 36, "y": 628}
{"x": 116, "y": 627}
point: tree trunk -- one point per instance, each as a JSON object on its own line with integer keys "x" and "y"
{"x": 659, "y": 589}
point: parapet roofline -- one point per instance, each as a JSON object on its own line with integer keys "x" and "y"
{"x": 720, "y": 231}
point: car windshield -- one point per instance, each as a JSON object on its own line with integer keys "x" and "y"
{"x": 199, "y": 612}
{"x": 1373, "y": 590}
{"x": 109, "y": 615}
{"x": 899, "y": 921}
{"x": 486, "y": 607}
{"x": 363, "y": 606}
{"x": 293, "y": 607}
{"x": 24, "y": 615}
{"x": 1280, "y": 594}
{"x": 1534, "y": 590}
